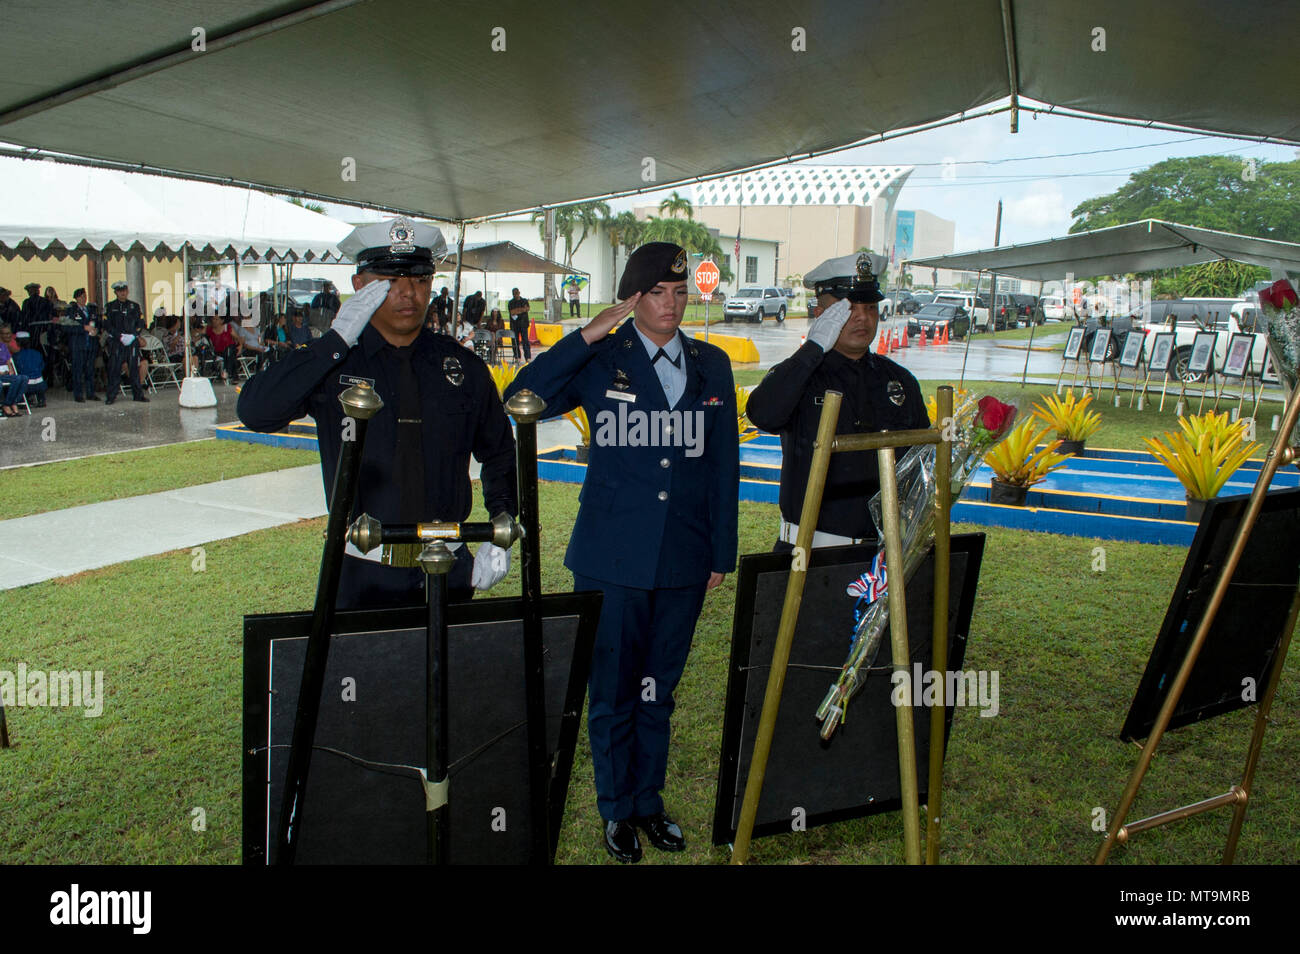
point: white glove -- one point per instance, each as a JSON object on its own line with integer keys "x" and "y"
{"x": 825, "y": 330}
{"x": 126, "y": 339}
{"x": 356, "y": 311}
{"x": 491, "y": 564}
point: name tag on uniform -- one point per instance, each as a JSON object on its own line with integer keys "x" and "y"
{"x": 350, "y": 380}
{"x": 621, "y": 396}
{"x": 819, "y": 399}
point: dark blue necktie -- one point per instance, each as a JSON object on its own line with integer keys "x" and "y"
{"x": 661, "y": 353}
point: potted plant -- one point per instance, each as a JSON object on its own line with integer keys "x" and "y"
{"x": 1203, "y": 457}
{"x": 578, "y": 418}
{"x": 1070, "y": 420}
{"x": 747, "y": 431}
{"x": 1017, "y": 464}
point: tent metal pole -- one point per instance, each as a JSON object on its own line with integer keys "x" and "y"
{"x": 1029, "y": 348}
{"x": 455, "y": 295}
{"x": 943, "y": 400}
{"x": 970, "y": 332}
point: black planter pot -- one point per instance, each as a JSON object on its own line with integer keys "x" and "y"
{"x": 1070, "y": 447}
{"x": 1010, "y": 494}
{"x": 582, "y": 450}
{"x": 1195, "y": 509}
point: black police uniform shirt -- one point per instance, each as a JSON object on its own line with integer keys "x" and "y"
{"x": 520, "y": 320}
{"x": 34, "y": 309}
{"x": 878, "y": 395}
{"x": 81, "y": 327}
{"x": 123, "y": 318}
{"x": 461, "y": 414}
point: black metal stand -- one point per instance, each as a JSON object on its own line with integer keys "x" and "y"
{"x": 360, "y": 403}
{"x": 437, "y": 561}
{"x": 4, "y": 730}
{"x": 526, "y": 408}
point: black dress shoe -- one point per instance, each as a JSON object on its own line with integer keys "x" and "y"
{"x": 661, "y": 831}
{"x": 141, "y": 398}
{"x": 621, "y": 842}
{"x": 79, "y": 399}
{"x": 110, "y": 399}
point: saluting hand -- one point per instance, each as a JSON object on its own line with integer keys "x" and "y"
{"x": 355, "y": 313}
{"x": 604, "y": 323}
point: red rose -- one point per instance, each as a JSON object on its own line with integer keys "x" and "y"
{"x": 1280, "y": 294}
{"x": 994, "y": 415}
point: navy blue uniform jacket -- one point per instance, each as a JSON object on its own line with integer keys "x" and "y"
{"x": 459, "y": 407}
{"x": 650, "y": 516}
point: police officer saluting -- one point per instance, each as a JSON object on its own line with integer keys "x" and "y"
{"x": 123, "y": 320}
{"x": 440, "y": 405}
{"x": 879, "y": 395}
{"x": 656, "y": 527}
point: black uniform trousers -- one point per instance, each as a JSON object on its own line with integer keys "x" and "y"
{"x": 82, "y": 354}
{"x": 365, "y": 584}
{"x": 114, "y": 355}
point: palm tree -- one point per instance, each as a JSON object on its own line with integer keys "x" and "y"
{"x": 677, "y": 203}
{"x": 309, "y": 206}
{"x": 625, "y": 231}
{"x": 690, "y": 235}
{"x": 587, "y": 216}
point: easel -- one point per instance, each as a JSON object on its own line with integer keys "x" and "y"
{"x": 1138, "y": 378}
{"x": 1074, "y": 374}
{"x": 1105, "y": 360}
{"x": 1237, "y": 795}
{"x": 1247, "y": 373}
{"x": 827, "y": 443}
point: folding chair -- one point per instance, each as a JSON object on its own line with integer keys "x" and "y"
{"x": 160, "y": 366}
{"x": 507, "y": 347}
{"x": 10, "y": 369}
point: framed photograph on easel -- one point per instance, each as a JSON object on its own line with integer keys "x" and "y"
{"x": 1237, "y": 364}
{"x": 1073, "y": 345}
{"x": 1130, "y": 357}
{"x": 1200, "y": 366}
{"x": 1162, "y": 350}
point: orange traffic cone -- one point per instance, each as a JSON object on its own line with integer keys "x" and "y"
{"x": 902, "y": 340}
{"x": 921, "y": 342}
{"x": 884, "y": 342}
{"x": 944, "y": 339}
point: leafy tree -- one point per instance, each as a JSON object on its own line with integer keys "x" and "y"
{"x": 624, "y": 232}
{"x": 1228, "y": 193}
{"x": 584, "y": 216}
{"x": 1221, "y": 279}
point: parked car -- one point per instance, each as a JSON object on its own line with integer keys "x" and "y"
{"x": 976, "y": 306}
{"x": 906, "y": 303}
{"x": 301, "y": 290}
{"x": 922, "y": 298}
{"x": 932, "y": 319}
{"x": 756, "y": 303}
{"x": 1055, "y": 309}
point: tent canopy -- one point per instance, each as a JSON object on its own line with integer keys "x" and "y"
{"x": 81, "y": 210}
{"x": 461, "y": 109}
{"x": 506, "y": 257}
{"x": 1136, "y": 247}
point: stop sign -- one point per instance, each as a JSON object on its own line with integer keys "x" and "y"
{"x": 707, "y": 277}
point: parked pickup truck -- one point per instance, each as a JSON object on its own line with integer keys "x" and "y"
{"x": 977, "y": 308}
{"x": 1224, "y": 316}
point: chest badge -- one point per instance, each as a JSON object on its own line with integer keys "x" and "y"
{"x": 621, "y": 381}
{"x": 896, "y": 393}
{"x": 451, "y": 369}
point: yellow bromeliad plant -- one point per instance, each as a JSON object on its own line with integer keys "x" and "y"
{"x": 502, "y": 375}
{"x": 1015, "y": 460}
{"x": 747, "y": 430}
{"x": 578, "y": 418}
{"x": 1070, "y": 420}
{"x": 1206, "y": 453}
{"x": 932, "y": 402}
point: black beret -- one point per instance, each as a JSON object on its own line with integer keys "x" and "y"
{"x": 651, "y": 264}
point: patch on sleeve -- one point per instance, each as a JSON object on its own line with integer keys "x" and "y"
{"x": 896, "y": 393}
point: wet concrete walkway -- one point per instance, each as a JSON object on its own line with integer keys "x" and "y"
{"x": 62, "y": 542}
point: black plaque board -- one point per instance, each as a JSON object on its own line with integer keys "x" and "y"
{"x": 1244, "y": 639}
{"x": 365, "y": 799}
{"x": 856, "y": 772}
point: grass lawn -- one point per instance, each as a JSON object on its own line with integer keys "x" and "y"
{"x": 1069, "y": 645}
{"x": 55, "y": 486}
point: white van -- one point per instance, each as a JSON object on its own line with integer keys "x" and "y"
{"x": 971, "y": 304}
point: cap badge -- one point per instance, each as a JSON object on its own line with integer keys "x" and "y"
{"x": 865, "y": 274}
{"x": 679, "y": 263}
{"x": 896, "y": 393}
{"x": 452, "y": 370}
{"x": 402, "y": 235}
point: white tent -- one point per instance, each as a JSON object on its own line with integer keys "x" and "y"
{"x": 462, "y": 109}
{"x": 1142, "y": 246}
{"x": 53, "y": 210}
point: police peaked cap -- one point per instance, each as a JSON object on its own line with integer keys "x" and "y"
{"x": 849, "y": 276}
{"x": 652, "y": 263}
{"x": 395, "y": 247}
{"x": 116, "y": 285}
